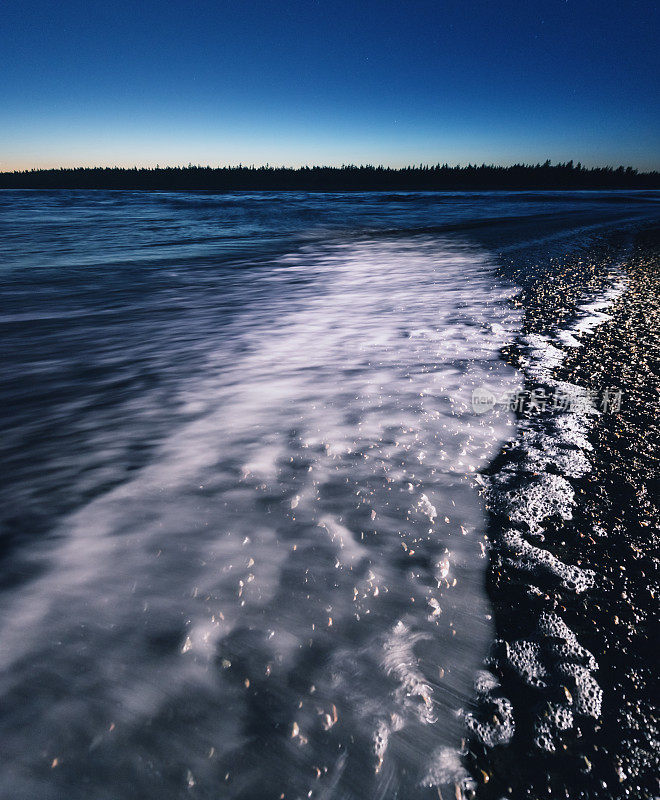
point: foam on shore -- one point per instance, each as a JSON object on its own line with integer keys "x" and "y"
{"x": 534, "y": 487}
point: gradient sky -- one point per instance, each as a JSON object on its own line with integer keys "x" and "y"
{"x": 342, "y": 81}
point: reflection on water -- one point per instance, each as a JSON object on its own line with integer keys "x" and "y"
{"x": 243, "y": 556}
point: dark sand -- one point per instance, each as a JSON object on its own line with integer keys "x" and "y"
{"x": 614, "y": 532}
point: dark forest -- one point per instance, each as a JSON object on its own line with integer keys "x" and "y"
{"x": 345, "y": 178}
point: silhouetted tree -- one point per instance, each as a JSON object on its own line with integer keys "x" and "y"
{"x": 348, "y": 177}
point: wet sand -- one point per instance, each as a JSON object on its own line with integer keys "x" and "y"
{"x": 575, "y": 715}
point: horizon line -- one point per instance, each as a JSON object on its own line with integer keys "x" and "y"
{"x": 547, "y": 163}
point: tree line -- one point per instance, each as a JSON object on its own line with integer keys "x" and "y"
{"x": 423, "y": 177}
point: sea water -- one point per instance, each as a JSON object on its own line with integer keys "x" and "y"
{"x": 243, "y": 535}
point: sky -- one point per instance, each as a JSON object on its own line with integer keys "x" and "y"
{"x": 391, "y": 82}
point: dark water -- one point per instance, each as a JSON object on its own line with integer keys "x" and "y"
{"x": 242, "y": 544}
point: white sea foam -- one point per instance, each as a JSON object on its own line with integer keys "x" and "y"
{"x": 310, "y": 538}
{"x": 551, "y": 449}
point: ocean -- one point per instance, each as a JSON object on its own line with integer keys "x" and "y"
{"x": 243, "y": 509}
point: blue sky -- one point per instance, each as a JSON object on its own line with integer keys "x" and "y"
{"x": 302, "y": 82}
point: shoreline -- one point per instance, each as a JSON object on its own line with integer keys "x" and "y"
{"x": 349, "y": 177}
{"x": 574, "y": 596}
{"x": 263, "y": 450}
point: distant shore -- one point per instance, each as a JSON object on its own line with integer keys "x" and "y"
{"x": 519, "y": 177}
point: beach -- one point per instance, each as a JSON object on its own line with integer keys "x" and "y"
{"x": 328, "y": 494}
{"x": 576, "y": 660}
